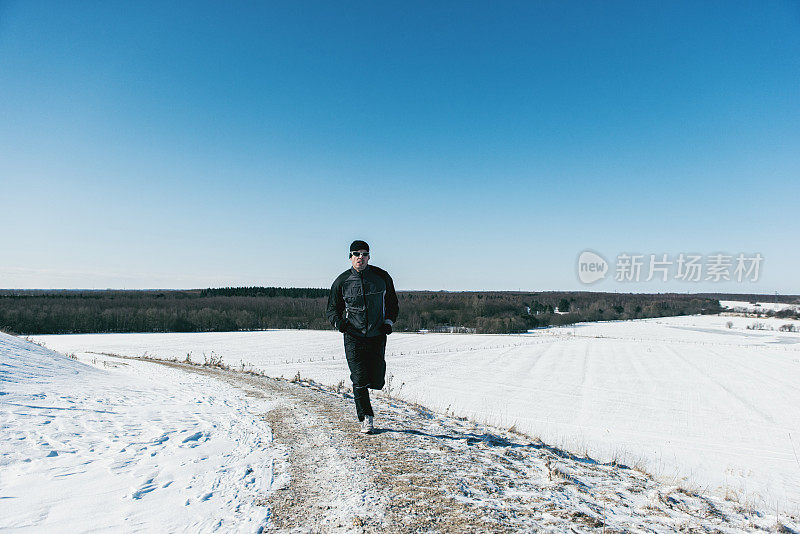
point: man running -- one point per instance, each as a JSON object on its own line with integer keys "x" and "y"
{"x": 363, "y": 306}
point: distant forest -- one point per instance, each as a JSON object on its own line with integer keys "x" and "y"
{"x": 257, "y": 308}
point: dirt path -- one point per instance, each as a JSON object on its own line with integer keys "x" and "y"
{"x": 343, "y": 481}
{"x": 426, "y": 472}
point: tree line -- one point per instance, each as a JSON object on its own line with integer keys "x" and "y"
{"x": 258, "y": 308}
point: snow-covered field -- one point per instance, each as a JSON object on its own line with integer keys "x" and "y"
{"x": 743, "y": 306}
{"x": 687, "y": 398}
{"x": 128, "y": 446}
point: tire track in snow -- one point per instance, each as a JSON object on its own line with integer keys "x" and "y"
{"x": 768, "y": 379}
{"x": 719, "y": 385}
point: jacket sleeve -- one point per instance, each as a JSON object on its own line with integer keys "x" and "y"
{"x": 335, "y": 310}
{"x": 390, "y": 300}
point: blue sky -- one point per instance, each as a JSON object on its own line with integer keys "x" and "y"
{"x": 473, "y": 145}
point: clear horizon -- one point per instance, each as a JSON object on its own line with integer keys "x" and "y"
{"x": 474, "y": 146}
{"x": 421, "y": 290}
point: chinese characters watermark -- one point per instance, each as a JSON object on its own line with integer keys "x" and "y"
{"x": 683, "y": 267}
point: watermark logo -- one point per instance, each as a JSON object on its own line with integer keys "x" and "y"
{"x": 718, "y": 267}
{"x": 591, "y": 267}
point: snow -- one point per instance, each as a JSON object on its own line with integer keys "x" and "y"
{"x": 752, "y": 307}
{"x": 449, "y": 474}
{"x": 128, "y": 446}
{"x": 686, "y": 398}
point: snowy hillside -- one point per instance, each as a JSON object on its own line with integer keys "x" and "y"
{"x": 686, "y": 398}
{"x": 138, "y": 446}
{"x": 127, "y": 446}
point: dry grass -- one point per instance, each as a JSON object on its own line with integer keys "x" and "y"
{"x": 214, "y": 360}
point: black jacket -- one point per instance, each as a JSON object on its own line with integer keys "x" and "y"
{"x": 365, "y": 300}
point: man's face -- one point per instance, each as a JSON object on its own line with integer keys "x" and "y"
{"x": 359, "y": 259}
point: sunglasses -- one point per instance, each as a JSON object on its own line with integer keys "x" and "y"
{"x": 359, "y": 254}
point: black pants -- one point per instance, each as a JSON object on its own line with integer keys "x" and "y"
{"x": 365, "y": 357}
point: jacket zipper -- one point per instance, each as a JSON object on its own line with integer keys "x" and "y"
{"x": 364, "y": 297}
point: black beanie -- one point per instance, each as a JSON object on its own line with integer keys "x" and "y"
{"x": 359, "y": 245}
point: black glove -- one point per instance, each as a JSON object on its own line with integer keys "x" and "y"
{"x": 386, "y": 328}
{"x": 342, "y": 326}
